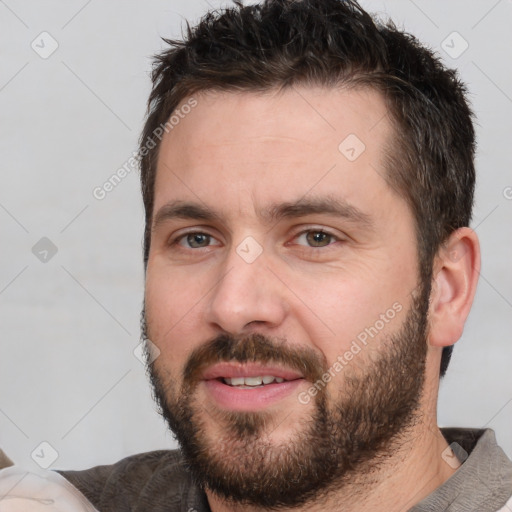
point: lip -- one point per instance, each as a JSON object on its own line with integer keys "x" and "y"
{"x": 229, "y": 370}
{"x": 232, "y": 398}
{"x": 246, "y": 399}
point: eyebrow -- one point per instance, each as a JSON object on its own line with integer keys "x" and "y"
{"x": 184, "y": 210}
{"x": 321, "y": 206}
{"x": 274, "y": 213}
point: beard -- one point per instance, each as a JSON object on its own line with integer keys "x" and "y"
{"x": 351, "y": 429}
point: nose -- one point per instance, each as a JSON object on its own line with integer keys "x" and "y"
{"x": 246, "y": 296}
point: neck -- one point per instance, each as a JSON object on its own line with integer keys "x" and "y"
{"x": 394, "y": 481}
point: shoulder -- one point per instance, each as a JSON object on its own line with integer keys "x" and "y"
{"x": 152, "y": 478}
{"x": 139, "y": 467}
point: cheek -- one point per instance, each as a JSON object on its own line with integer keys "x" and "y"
{"x": 358, "y": 308}
{"x": 173, "y": 312}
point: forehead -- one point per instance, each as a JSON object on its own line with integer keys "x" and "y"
{"x": 275, "y": 146}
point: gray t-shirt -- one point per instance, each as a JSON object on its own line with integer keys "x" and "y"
{"x": 158, "y": 481}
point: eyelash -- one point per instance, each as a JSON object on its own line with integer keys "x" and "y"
{"x": 333, "y": 238}
{"x": 321, "y": 231}
{"x": 179, "y": 239}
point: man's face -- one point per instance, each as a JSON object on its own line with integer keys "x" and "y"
{"x": 279, "y": 250}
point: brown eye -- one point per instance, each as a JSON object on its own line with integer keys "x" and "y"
{"x": 197, "y": 240}
{"x": 318, "y": 238}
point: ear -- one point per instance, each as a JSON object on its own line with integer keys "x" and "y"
{"x": 455, "y": 276}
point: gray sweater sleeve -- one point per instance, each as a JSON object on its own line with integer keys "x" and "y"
{"x": 156, "y": 481}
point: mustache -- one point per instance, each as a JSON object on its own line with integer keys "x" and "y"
{"x": 255, "y": 348}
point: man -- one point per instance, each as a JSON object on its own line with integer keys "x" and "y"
{"x": 308, "y": 180}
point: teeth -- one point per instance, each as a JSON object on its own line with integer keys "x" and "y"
{"x": 252, "y": 381}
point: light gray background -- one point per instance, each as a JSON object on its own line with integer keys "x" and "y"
{"x": 69, "y": 326}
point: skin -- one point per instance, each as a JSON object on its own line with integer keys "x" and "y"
{"x": 239, "y": 154}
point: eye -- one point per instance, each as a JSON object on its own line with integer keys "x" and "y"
{"x": 316, "y": 238}
{"x": 197, "y": 240}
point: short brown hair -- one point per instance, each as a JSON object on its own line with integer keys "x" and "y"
{"x": 281, "y": 43}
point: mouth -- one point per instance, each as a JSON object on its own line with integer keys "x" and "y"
{"x": 249, "y": 386}
{"x": 251, "y": 382}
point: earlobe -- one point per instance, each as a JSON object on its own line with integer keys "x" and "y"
{"x": 456, "y": 271}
